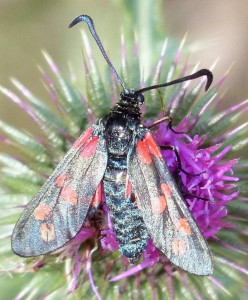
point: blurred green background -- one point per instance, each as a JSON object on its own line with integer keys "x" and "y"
{"x": 216, "y": 29}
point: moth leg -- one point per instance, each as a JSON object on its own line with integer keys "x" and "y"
{"x": 197, "y": 197}
{"x": 164, "y": 119}
{"x": 169, "y": 124}
{"x": 161, "y": 102}
{"x": 185, "y": 193}
{"x": 168, "y": 147}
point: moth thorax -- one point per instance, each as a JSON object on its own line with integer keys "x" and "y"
{"x": 118, "y": 137}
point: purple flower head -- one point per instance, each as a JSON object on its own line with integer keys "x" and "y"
{"x": 214, "y": 182}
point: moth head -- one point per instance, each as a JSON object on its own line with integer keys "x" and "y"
{"x": 131, "y": 98}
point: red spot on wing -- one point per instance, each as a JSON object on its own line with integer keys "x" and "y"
{"x": 153, "y": 147}
{"x": 47, "y": 231}
{"x": 182, "y": 226}
{"x": 41, "y": 212}
{"x": 166, "y": 190}
{"x": 90, "y": 148}
{"x": 138, "y": 202}
{"x": 69, "y": 195}
{"x": 158, "y": 204}
{"x": 178, "y": 246}
{"x": 83, "y": 138}
{"x": 60, "y": 180}
{"x": 143, "y": 153}
{"x": 97, "y": 198}
{"x": 128, "y": 189}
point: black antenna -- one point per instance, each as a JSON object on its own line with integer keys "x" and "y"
{"x": 90, "y": 23}
{"x": 200, "y": 73}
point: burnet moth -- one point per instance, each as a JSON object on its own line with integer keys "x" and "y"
{"x": 119, "y": 156}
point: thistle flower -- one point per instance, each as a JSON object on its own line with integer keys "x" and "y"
{"x": 91, "y": 261}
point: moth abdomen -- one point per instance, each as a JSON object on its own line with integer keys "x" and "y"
{"x": 127, "y": 219}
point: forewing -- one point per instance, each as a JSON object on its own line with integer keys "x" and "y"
{"x": 166, "y": 216}
{"x": 56, "y": 214}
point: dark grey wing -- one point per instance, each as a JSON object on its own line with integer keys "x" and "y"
{"x": 166, "y": 216}
{"x": 56, "y": 214}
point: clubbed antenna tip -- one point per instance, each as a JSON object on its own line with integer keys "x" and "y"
{"x": 91, "y": 26}
{"x": 198, "y": 74}
{"x": 209, "y": 78}
{"x": 81, "y": 18}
